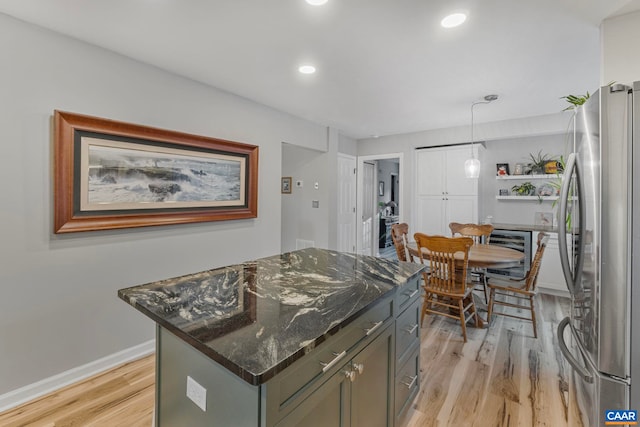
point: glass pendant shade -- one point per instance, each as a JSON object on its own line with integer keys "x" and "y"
{"x": 472, "y": 168}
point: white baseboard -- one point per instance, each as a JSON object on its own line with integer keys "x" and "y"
{"x": 32, "y": 391}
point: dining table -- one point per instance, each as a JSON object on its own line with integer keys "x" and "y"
{"x": 480, "y": 256}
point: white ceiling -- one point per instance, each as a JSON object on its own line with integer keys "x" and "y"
{"x": 384, "y": 66}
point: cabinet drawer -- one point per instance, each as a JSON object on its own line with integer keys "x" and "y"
{"x": 407, "y": 332}
{"x": 331, "y": 354}
{"x": 408, "y": 293}
{"x": 407, "y": 384}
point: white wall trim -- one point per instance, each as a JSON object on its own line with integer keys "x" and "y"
{"x": 53, "y": 383}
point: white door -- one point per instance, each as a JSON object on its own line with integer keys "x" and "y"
{"x": 368, "y": 201}
{"x": 462, "y": 209}
{"x": 346, "y": 203}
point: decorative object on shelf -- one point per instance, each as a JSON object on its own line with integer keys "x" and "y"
{"x": 113, "y": 175}
{"x": 553, "y": 167}
{"x": 524, "y": 189}
{"x": 285, "y": 185}
{"x": 381, "y": 188}
{"x": 546, "y": 190}
{"x": 503, "y": 192}
{"x": 472, "y": 165}
{"x": 543, "y": 219}
{"x": 518, "y": 169}
{"x": 538, "y": 162}
{"x": 502, "y": 169}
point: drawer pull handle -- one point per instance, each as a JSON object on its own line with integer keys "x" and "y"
{"x": 412, "y": 294}
{"x": 373, "y": 328}
{"x": 336, "y": 359}
{"x": 411, "y": 330}
{"x": 413, "y": 381}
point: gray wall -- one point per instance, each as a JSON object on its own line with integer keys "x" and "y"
{"x": 59, "y": 308}
{"x": 542, "y": 126}
{"x": 299, "y": 219}
{"x": 512, "y": 151}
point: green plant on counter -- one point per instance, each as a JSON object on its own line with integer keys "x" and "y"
{"x": 524, "y": 189}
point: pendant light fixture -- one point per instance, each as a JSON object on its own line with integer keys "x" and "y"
{"x": 472, "y": 165}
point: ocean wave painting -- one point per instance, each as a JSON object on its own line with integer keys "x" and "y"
{"x": 126, "y": 177}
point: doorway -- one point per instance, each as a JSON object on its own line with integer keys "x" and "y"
{"x": 377, "y": 209}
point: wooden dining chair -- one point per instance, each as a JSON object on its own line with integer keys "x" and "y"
{"x": 480, "y": 233}
{"x": 399, "y": 235}
{"x": 519, "y": 289}
{"x": 446, "y": 284}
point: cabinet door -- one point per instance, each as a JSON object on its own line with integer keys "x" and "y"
{"x": 327, "y": 406}
{"x": 430, "y": 172}
{"x": 372, "y": 390}
{"x": 431, "y": 216}
{"x": 550, "y": 275}
{"x": 456, "y": 182}
{"x": 462, "y": 209}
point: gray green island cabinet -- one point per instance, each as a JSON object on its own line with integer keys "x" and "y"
{"x": 306, "y": 338}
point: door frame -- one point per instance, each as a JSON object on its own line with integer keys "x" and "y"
{"x": 359, "y": 189}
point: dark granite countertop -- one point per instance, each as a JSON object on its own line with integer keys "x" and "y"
{"x": 258, "y": 317}
{"x": 525, "y": 227}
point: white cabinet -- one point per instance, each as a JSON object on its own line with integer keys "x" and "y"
{"x": 444, "y": 193}
{"x": 550, "y": 277}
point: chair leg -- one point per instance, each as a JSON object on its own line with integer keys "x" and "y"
{"x": 462, "y": 322}
{"x": 484, "y": 287}
{"x": 533, "y": 317}
{"x": 492, "y": 295}
{"x": 476, "y": 316}
{"x": 425, "y": 305}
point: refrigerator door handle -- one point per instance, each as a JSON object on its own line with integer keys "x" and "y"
{"x": 580, "y": 370}
{"x": 562, "y": 221}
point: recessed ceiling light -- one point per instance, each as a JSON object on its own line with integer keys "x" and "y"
{"x": 453, "y": 20}
{"x": 316, "y": 2}
{"x": 307, "y": 69}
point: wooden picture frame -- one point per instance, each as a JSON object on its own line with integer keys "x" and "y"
{"x": 502, "y": 169}
{"x": 285, "y": 184}
{"x": 381, "y": 188}
{"x": 112, "y": 175}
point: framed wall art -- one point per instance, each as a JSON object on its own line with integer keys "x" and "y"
{"x": 285, "y": 185}
{"x": 110, "y": 175}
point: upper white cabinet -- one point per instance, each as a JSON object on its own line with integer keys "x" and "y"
{"x": 441, "y": 171}
{"x": 444, "y": 193}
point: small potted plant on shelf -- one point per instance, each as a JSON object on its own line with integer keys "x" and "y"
{"x": 524, "y": 189}
{"x": 538, "y": 162}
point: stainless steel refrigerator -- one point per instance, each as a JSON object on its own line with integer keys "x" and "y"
{"x": 599, "y": 236}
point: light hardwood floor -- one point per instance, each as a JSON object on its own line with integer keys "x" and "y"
{"x": 501, "y": 377}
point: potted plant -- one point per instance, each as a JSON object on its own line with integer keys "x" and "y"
{"x": 538, "y": 162}
{"x": 524, "y": 189}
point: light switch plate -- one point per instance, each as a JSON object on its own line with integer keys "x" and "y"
{"x": 197, "y": 393}
{"x": 315, "y": 203}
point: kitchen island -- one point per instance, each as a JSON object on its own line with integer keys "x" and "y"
{"x": 311, "y": 337}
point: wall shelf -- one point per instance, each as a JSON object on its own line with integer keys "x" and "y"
{"x": 526, "y": 198}
{"x": 526, "y": 177}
